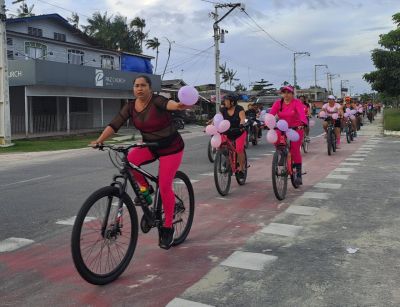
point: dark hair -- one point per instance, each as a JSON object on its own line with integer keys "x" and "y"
{"x": 148, "y": 80}
{"x": 302, "y": 96}
{"x": 231, "y": 98}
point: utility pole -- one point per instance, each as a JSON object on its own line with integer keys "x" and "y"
{"x": 294, "y": 66}
{"x": 341, "y": 87}
{"x": 315, "y": 78}
{"x": 330, "y": 77}
{"x": 217, "y": 37}
{"x": 5, "y": 118}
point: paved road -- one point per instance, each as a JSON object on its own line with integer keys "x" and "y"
{"x": 42, "y": 272}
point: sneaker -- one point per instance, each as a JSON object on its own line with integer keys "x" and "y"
{"x": 137, "y": 200}
{"x": 299, "y": 181}
{"x": 166, "y": 237}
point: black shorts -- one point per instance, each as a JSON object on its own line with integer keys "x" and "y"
{"x": 337, "y": 123}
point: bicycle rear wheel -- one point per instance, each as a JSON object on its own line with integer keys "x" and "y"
{"x": 279, "y": 174}
{"x": 222, "y": 172}
{"x": 305, "y": 144}
{"x": 184, "y": 207}
{"x": 348, "y": 136}
{"x": 103, "y": 241}
{"x": 333, "y": 140}
{"x": 329, "y": 143}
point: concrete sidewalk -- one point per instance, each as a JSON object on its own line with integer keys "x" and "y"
{"x": 336, "y": 245}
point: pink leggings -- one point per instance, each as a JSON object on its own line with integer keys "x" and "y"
{"x": 239, "y": 142}
{"x": 166, "y": 173}
{"x": 295, "y": 146}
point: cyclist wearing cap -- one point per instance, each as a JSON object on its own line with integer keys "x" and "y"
{"x": 292, "y": 110}
{"x": 307, "y": 111}
{"x": 349, "y": 104}
{"x": 330, "y": 108}
{"x": 236, "y": 116}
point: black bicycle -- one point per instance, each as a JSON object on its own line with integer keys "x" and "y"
{"x": 211, "y": 152}
{"x": 105, "y": 231}
{"x": 348, "y": 128}
{"x": 330, "y": 136}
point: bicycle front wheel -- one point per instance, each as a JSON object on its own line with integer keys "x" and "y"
{"x": 211, "y": 152}
{"x": 222, "y": 172}
{"x": 279, "y": 174}
{"x": 329, "y": 142}
{"x": 184, "y": 207}
{"x": 104, "y": 236}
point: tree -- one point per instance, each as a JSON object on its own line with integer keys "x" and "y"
{"x": 386, "y": 78}
{"x": 111, "y": 32}
{"x": 240, "y": 88}
{"x": 25, "y": 11}
{"x": 230, "y": 76}
{"x": 74, "y": 20}
{"x": 138, "y": 24}
{"x": 262, "y": 85}
{"x": 154, "y": 44}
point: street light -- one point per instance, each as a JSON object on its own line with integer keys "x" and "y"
{"x": 315, "y": 72}
{"x": 294, "y": 65}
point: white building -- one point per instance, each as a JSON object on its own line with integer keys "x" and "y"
{"x": 60, "y": 80}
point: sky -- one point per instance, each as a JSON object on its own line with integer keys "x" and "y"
{"x": 336, "y": 33}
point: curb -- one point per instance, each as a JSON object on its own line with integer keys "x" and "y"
{"x": 391, "y": 132}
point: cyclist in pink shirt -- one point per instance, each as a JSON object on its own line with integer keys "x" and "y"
{"x": 292, "y": 110}
{"x": 331, "y": 108}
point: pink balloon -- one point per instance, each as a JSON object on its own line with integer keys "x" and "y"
{"x": 282, "y": 125}
{"x": 218, "y": 118}
{"x": 346, "y": 114}
{"x": 322, "y": 114}
{"x": 348, "y": 110}
{"x": 216, "y": 140}
{"x": 335, "y": 116}
{"x": 312, "y": 123}
{"x": 188, "y": 95}
{"x": 292, "y": 135}
{"x": 353, "y": 112}
{"x": 352, "y": 117}
{"x": 224, "y": 126}
{"x": 270, "y": 121}
{"x": 211, "y": 130}
{"x": 272, "y": 136}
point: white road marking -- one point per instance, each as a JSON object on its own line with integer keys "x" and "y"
{"x": 12, "y": 244}
{"x": 325, "y": 185}
{"x": 248, "y": 261}
{"x": 268, "y": 154}
{"x": 318, "y": 136}
{"x": 302, "y": 210}
{"x": 355, "y": 159}
{"x": 334, "y": 176}
{"x": 191, "y": 180}
{"x": 315, "y": 195}
{"x": 254, "y": 158}
{"x": 359, "y": 155}
{"x": 282, "y": 229}
{"x": 70, "y": 221}
{"x": 207, "y": 174}
{"x": 179, "y": 302}
{"x": 350, "y": 163}
{"x": 345, "y": 169}
{"x": 222, "y": 198}
{"x": 25, "y": 181}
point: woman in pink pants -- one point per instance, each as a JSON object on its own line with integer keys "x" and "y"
{"x": 150, "y": 115}
{"x": 292, "y": 110}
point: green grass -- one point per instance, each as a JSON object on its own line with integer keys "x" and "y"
{"x": 391, "y": 119}
{"x": 50, "y": 143}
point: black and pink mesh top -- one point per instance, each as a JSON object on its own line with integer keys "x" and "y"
{"x": 154, "y": 123}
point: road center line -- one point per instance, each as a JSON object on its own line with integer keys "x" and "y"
{"x": 24, "y": 181}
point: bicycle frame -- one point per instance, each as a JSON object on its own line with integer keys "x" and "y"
{"x": 285, "y": 149}
{"x": 154, "y": 216}
{"x": 230, "y": 147}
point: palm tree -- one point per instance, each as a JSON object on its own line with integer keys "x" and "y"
{"x": 230, "y": 74}
{"x": 25, "y": 11}
{"x": 74, "y": 20}
{"x": 139, "y": 24}
{"x": 154, "y": 44}
{"x": 240, "y": 88}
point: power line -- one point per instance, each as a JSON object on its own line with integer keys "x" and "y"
{"x": 266, "y": 32}
{"x": 191, "y": 58}
{"x": 62, "y": 8}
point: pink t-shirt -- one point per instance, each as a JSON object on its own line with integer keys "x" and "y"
{"x": 331, "y": 110}
{"x": 293, "y": 112}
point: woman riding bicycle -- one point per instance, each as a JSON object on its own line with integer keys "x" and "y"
{"x": 292, "y": 110}
{"x": 150, "y": 114}
{"x": 331, "y": 108}
{"x": 307, "y": 111}
{"x": 236, "y": 116}
{"x": 350, "y": 105}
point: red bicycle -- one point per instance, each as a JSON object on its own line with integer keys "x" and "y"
{"x": 282, "y": 167}
{"x": 225, "y": 164}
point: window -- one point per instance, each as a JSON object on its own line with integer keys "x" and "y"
{"x": 35, "y": 31}
{"x": 10, "y": 54}
{"x": 35, "y": 50}
{"x": 59, "y": 37}
{"x": 9, "y": 41}
{"x": 75, "y": 57}
{"x": 107, "y": 62}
